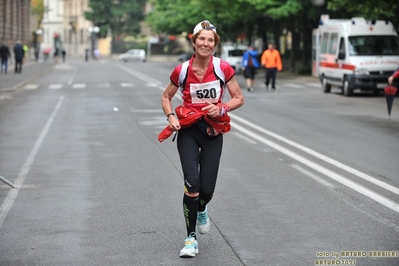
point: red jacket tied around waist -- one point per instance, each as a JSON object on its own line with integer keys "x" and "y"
{"x": 187, "y": 117}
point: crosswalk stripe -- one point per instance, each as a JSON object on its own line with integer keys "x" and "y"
{"x": 31, "y": 87}
{"x": 55, "y": 86}
{"x": 125, "y": 85}
{"x": 291, "y": 85}
{"x": 5, "y": 96}
{"x": 314, "y": 85}
{"x": 151, "y": 85}
{"x": 79, "y": 86}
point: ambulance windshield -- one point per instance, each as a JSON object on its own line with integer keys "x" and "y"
{"x": 374, "y": 45}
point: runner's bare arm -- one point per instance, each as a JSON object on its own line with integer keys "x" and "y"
{"x": 166, "y": 101}
{"x": 237, "y": 99}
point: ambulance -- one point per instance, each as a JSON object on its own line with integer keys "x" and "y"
{"x": 354, "y": 54}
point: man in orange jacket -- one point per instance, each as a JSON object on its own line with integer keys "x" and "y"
{"x": 271, "y": 60}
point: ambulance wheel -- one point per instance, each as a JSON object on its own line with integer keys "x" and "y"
{"x": 346, "y": 89}
{"x": 326, "y": 86}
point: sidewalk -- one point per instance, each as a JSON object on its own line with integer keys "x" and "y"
{"x": 30, "y": 71}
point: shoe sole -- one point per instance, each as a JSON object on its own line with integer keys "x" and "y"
{"x": 189, "y": 255}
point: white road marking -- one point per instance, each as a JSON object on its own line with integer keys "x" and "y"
{"x": 317, "y": 167}
{"x": 315, "y": 85}
{"x": 139, "y": 75}
{"x": 78, "y": 86}
{"x": 313, "y": 176}
{"x": 55, "y": 86}
{"x": 320, "y": 156}
{"x": 72, "y": 77}
{"x": 126, "y": 85}
{"x": 241, "y": 136}
{"x": 31, "y": 87}
{"x": 12, "y": 194}
{"x": 146, "y": 111}
{"x": 5, "y": 96}
{"x": 362, "y": 190}
{"x": 292, "y": 85}
{"x": 151, "y": 85}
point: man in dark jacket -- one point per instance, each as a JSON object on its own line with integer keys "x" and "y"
{"x": 19, "y": 56}
{"x": 4, "y": 55}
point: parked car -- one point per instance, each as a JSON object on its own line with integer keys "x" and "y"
{"x": 232, "y": 53}
{"x": 133, "y": 55}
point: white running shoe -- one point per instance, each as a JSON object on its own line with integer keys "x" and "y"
{"x": 190, "y": 248}
{"x": 203, "y": 223}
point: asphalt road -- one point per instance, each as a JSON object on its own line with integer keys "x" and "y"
{"x": 306, "y": 178}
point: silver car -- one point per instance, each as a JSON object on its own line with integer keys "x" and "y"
{"x": 133, "y": 55}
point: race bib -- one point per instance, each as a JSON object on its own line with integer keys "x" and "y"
{"x": 205, "y": 92}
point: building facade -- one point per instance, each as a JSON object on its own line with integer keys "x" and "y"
{"x": 76, "y": 28}
{"x": 15, "y": 22}
{"x": 65, "y": 28}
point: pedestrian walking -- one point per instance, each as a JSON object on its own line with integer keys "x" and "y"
{"x": 19, "y": 56}
{"x": 201, "y": 120}
{"x": 56, "y": 54}
{"x": 26, "y": 51}
{"x": 4, "y": 55}
{"x": 96, "y": 53}
{"x": 271, "y": 60}
{"x": 63, "y": 55}
{"x": 249, "y": 65}
{"x": 36, "y": 53}
{"x": 87, "y": 54}
{"x": 46, "y": 53}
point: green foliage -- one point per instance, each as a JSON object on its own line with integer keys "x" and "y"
{"x": 39, "y": 9}
{"x": 305, "y": 70}
{"x": 123, "y": 17}
{"x": 263, "y": 18}
{"x": 374, "y": 9}
{"x": 231, "y": 17}
{"x": 369, "y": 9}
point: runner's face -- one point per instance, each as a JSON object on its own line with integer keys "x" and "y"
{"x": 205, "y": 43}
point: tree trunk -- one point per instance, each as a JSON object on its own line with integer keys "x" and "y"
{"x": 291, "y": 28}
{"x": 263, "y": 32}
{"x": 307, "y": 42}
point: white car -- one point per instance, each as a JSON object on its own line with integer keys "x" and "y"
{"x": 232, "y": 53}
{"x": 133, "y": 55}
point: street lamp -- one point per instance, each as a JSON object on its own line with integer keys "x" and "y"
{"x": 93, "y": 37}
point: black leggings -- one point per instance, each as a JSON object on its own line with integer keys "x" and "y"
{"x": 200, "y": 158}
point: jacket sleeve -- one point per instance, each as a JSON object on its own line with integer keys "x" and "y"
{"x": 278, "y": 62}
{"x": 253, "y": 53}
{"x": 244, "y": 59}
